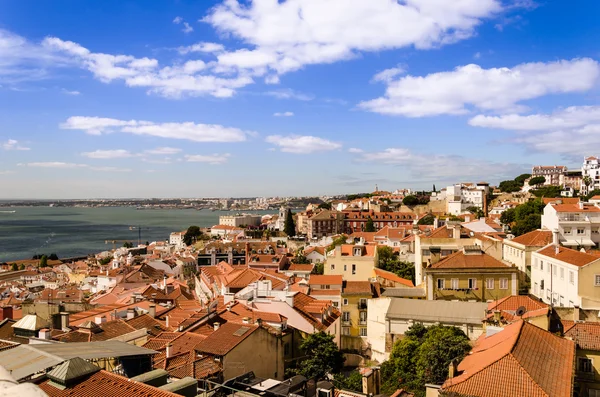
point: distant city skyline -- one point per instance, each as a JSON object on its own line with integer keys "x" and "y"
{"x": 136, "y": 99}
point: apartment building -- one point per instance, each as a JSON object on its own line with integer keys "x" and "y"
{"x": 354, "y": 262}
{"x": 461, "y": 196}
{"x": 240, "y": 220}
{"x": 566, "y": 277}
{"x": 578, "y": 224}
{"x": 519, "y": 249}
{"x": 355, "y": 295}
{"x": 590, "y": 171}
{"x": 552, "y": 173}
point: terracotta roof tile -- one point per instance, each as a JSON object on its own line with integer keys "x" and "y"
{"x": 319, "y": 279}
{"x": 585, "y": 335}
{"x": 392, "y": 277}
{"x": 575, "y": 208}
{"x": 568, "y": 255}
{"x": 357, "y": 288}
{"x": 460, "y": 260}
{"x": 536, "y": 238}
{"x": 228, "y": 336}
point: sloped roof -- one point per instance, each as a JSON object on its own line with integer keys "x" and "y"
{"x": 462, "y": 260}
{"x": 71, "y": 370}
{"x": 520, "y": 360}
{"x": 358, "y": 288}
{"x": 392, "y": 277}
{"x": 228, "y": 336}
{"x": 536, "y": 238}
{"x": 585, "y": 335}
{"x": 568, "y": 255}
{"x": 30, "y": 322}
{"x": 509, "y": 305}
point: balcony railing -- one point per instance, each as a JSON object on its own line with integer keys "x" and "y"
{"x": 573, "y": 218}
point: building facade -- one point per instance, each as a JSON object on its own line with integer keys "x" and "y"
{"x": 354, "y": 262}
{"x": 590, "y": 173}
{"x": 552, "y": 173}
{"x": 578, "y": 225}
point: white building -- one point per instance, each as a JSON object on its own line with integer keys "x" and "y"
{"x": 591, "y": 169}
{"x": 176, "y": 239}
{"x": 240, "y": 220}
{"x": 518, "y": 250}
{"x": 280, "y": 223}
{"x": 565, "y": 277}
{"x": 578, "y": 225}
{"x": 224, "y": 230}
{"x": 552, "y": 173}
{"x": 461, "y": 196}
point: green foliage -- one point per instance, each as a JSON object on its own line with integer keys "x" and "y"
{"x": 509, "y": 186}
{"x": 324, "y": 206}
{"x": 339, "y": 240}
{"x": 191, "y": 235}
{"x": 538, "y": 180}
{"x": 319, "y": 268}
{"x": 524, "y": 218}
{"x": 44, "y": 261}
{"x": 53, "y": 257}
{"x": 426, "y": 220}
{"x": 352, "y": 382}
{"x": 547, "y": 191}
{"x": 289, "y": 226}
{"x": 351, "y": 197}
{"x": 508, "y": 216}
{"x": 478, "y": 212}
{"x": 528, "y": 224}
{"x": 423, "y": 356}
{"x": 522, "y": 178}
{"x": 127, "y": 244}
{"x": 370, "y": 226}
{"x": 322, "y": 356}
{"x": 410, "y": 200}
{"x": 14, "y": 267}
{"x": 105, "y": 261}
{"x": 591, "y": 194}
{"x": 300, "y": 258}
{"x": 388, "y": 260}
{"x": 22, "y": 266}
{"x": 435, "y": 191}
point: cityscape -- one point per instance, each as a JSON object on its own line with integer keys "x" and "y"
{"x": 299, "y": 198}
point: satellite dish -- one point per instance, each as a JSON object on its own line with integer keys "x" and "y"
{"x": 520, "y": 311}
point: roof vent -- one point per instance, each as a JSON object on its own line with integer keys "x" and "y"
{"x": 69, "y": 372}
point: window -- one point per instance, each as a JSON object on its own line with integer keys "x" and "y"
{"x": 440, "y": 283}
{"x": 489, "y": 283}
{"x": 571, "y": 277}
{"x": 345, "y": 330}
{"x": 332, "y": 266}
{"x": 286, "y": 349}
{"x": 580, "y": 230}
{"x": 345, "y": 316}
{"x": 345, "y": 301}
{"x": 554, "y": 270}
{"x": 472, "y": 283}
{"x": 541, "y": 265}
{"x": 535, "y": 289}
{"x": 584, "y": 364}
{"x": 363, "y": 303}
{"x": 562, "y": 273}
{"x": 345, "y": 267}
{"x": 454, "y": 283}
{"x": 363, "y": 331}
{"x": 353, "y": 269}
{"x": 597, "y": 280}
{"x": 567, "y": 230}
{"x": 336, "y": 304}
{"x": 503, "y": 283}
{"x": 363, "y": 317}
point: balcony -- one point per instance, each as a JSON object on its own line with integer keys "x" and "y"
{"x": 362, "y": 322}
{"x": 362, "y": 305}
{"x": 573, "y": 218}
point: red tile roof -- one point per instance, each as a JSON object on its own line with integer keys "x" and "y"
{"x": 298, "y": 267}
{"x": 358, "y": 288}
{"x": 520, "y": 360}
{"x": 568, "y": 255}
{"x": 227, "y": 337}
{"x": 392, "y": 277}
{"x": 585, "y": 335}
{"x": 319, "y": 279}
{"x": 460, "y": 260}
{"x": 536, "y": 238}
{"x": 509, "y": 305}
{"x": 575, "y": 208}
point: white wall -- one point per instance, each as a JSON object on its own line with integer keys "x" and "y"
{"x": 376, "y": 327}
{"x": 558, "y": 282}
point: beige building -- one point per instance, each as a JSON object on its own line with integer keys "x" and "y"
{"x": 354, "y": 262}
{"x": 518, "y": 251}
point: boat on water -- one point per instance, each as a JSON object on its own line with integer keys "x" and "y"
{"x": 7, "y": 212}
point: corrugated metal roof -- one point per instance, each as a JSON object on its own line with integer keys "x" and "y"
{"x": 24, "y": 361}
{"x": 442, "y": 311}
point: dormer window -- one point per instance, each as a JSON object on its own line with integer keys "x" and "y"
{"x": 357, "y": 251}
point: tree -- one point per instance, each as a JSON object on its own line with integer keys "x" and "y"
{"x": 322, "y": 356}
{"x": 44, "y": 261}
{"x": 191, "y": 235}
{"x": 528, "y": 224}
{"x": 352, "y": 382}
{"x": 524, "y": 218}
{"x": 410, "y": 200}
{"x": 105, "y": 261}
{"x": 434, "y": 188}
{"x": 369, "y": 226}
{"x": 508, "y": 216}
{"x": 300, "y": 258}
{"x": 319, "y": 268}
{"x": 324, "y": 206}
{"x": 509, "y": 186}
{"x": 537, "y": 180}
{"x": 53, "y": 257}
{"x": 127, "y": 244}
{"x": 426, "y": 220}
{"x": 14, "y": 267}
{"x": 587, "y": 181}
{"x": 478, "y": 212}
{"x": 388, "y": 260}
{"x": 289, "y": 227}
{"x": 423, "y": 356}
{"x": 522, "y": 178}
{"x": 339, "y": 240}
{"x": 22, "y": 266}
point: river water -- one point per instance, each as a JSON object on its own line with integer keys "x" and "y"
{"x": 73, "y": 231}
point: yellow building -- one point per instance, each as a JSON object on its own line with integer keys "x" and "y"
{"x": 471, "y": 275}
{"x": 586, "y": 336}
{"x": 507, "y": 310}
{"x": 355, "y": 295}
{"x": 354, "y": 262}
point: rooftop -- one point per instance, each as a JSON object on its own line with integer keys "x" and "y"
{"x": 536, "y": 238}
{"x": 469, "y": 258}
{"x": 568, "y": 255}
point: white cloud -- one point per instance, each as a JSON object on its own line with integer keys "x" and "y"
{"x": 163, "y": 150}
{"x": 283, "y": 114}
{"x": 214, "y": 159}
{"x": 108, "y": 154}
{"x": 68, "y": 92}
{"x": 477, "y": 55}
{"x": 437, "y": 167}
{"x": 202, "y": 47}
{"x": 290, "y": 94}
{"x": 572, "y": 132}
{"x": 288, "y": 35}
{"x": 13, "y": 144}
{"x": 498, "y": 89}
{"x": 388, "y": 74}
{"x": 355, "y": 150}
{"x": 187, "y": 130}
{"x": 63, "y": 165}
{"x": 177, "y": 20}
{"x": 302, "y": 144}
{"x": 187, "y": 28}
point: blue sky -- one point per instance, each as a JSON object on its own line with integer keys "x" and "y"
{"x": 296, "y": 97}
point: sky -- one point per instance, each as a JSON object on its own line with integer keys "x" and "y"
{"x": 233, "y": 98}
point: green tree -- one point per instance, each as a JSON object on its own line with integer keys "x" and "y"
{"x": 587, "y": 181}
{"x": 352, "y": 382}
{"x": 324, "y": 206}
{"x": 434, "y": 188}
{"x": 53, "y": 257}
{"x": 322, "y": 356}
{"x": 14, "y": 267}
{"x": 426, "y": 220}
{"x": 289, "y": 226}
{"x": 369, "y": 226}
{"x": 127, "y": 244}
{"x": 44, "y": 261}
{"x": 339, "y": 240}
{"x": 191, "y": 235}
{"x": 319, "y": 268}
{"x": 105, "y": 261}
{"x": 478, "y": 212}
{"x": 388, "y": 260}
{"x": 410, "y": 200}
{"x": 509, "y": 186}
{"x": 522, "y": 178}
{"x": 508, "y": 216}
{"x": 22, "y": 266}
{"x": 528, "y": 224}
{"x": 537, "y": 180}
{"x": 300, "y": 258}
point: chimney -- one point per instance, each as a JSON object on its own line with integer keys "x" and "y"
{"x": 497, "y": 315}
{"x": 456, "y": 232}
{"x": 44, "y": 333}
{"x": 213, "y": 258}
{"x": 132, "y": 299}
{"x": 216, "y": 325}
{"x": 230, "y": 257}
{"x": 452, "y": 369}
{"x": 152, "y": 310}
{"x": 289, "y": 299}
{"x": 247, "y": 249}
{"x": 167, "y": 321}
{"x": 576, "y": 313}
{"x": 130, "y": 313}
{"x": 100, "y": 319}
{"x": 64, "y": 320}
{"x": 169, "y": 350}
{"x": 555, "y": 240}
{"x": 436, "y": 222}
{"x": 6, "y": 312}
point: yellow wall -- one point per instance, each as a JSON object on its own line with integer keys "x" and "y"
{"x": 364, "y": 267}
{"x": 586, "y": 285}
{"x": 482, "y": 293}
{"x": 591, "y": 381}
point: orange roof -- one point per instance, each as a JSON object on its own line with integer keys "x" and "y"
{"x": 536, "y": 238}
{"x": 520, "y": 360}
{"x": 460, "y": 260}
{"x": 297, "y": 267}
{"x": 575, "y": 208}
{"x": 224, "y": 339}
{"x": 369, "y": 250}
{"x": 509, "y": 305}
{"x": 358, "y": 288}
{"x": 568, "y": 255}
{"x": 564, "y": 200}
{"x": 392, "y": 277}
{"x": 597, "y": 197}
{"x": 585, "y": 335}
{"x": 367, "y": 236}
{"x": 319, "y": 279}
